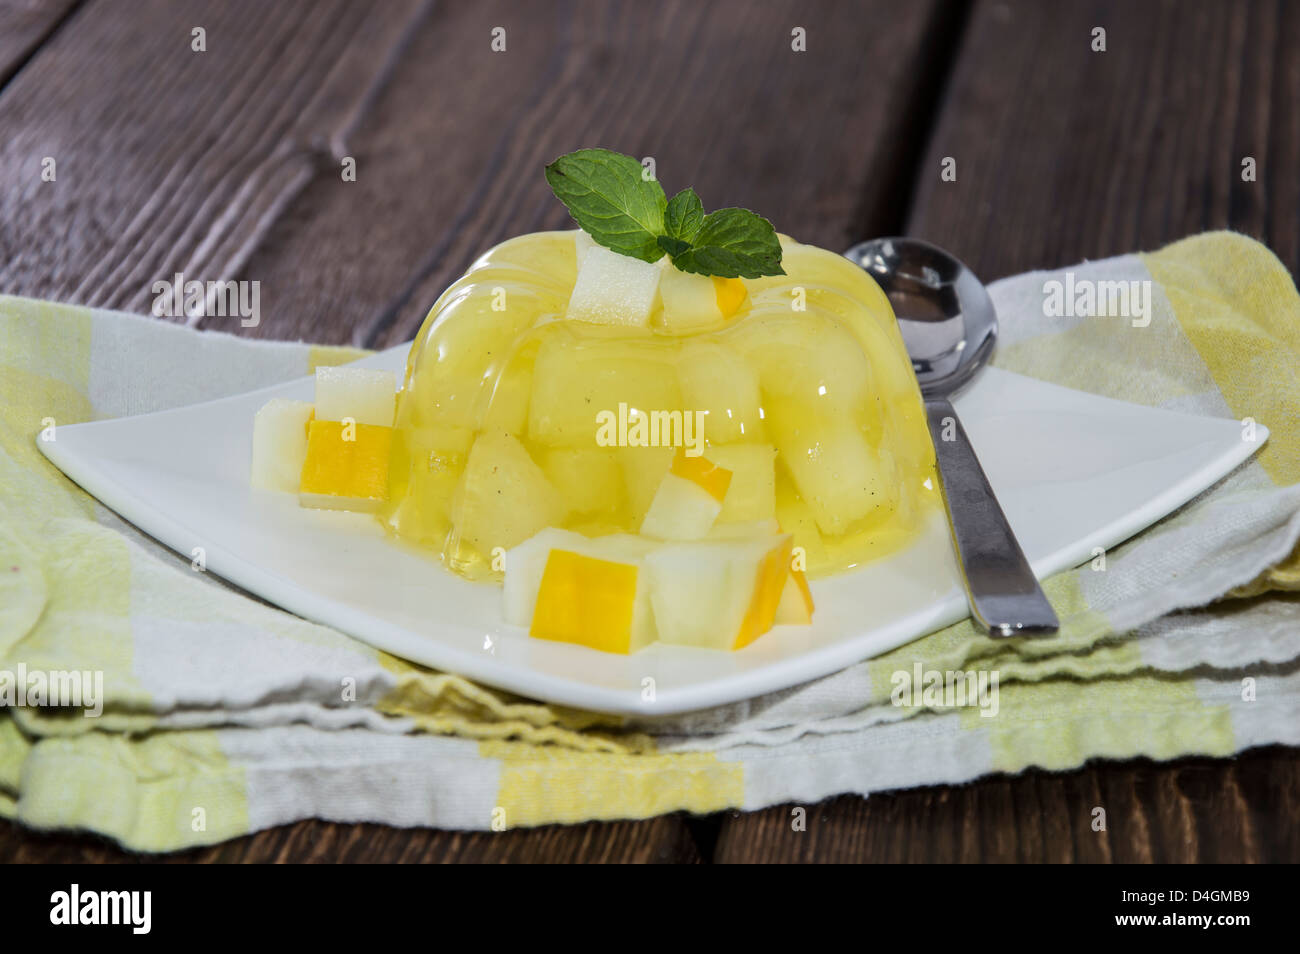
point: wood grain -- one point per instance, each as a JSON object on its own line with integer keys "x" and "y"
{"x": 450, "y": 157}
{"x": 1064, "y": 153}
{"x": 24, "y": 26}
{"x": 1193, "y": 810}
{"x": 170, "y": 159}
{"x": 660, "y": 840}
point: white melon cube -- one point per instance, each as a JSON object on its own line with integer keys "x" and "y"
{"x": 366, "y": 396}
{"x": 582, "y": 244}
{"x": 717, "y": 594}
{"x": 588, "y": 478}
{"x": 577, "y": 378}
{"x": 690, "y": 301}
{"x": 840, "y": 476}
{"x": 680, "y": 510}
{"x": 280, "y": 444}
{"x": 503, "y": 497}
{"x": 688, "y": 500}
{"x": 752, "y": 494}
{"x": 614, "y": 289}
{"x": 717, "y": 381}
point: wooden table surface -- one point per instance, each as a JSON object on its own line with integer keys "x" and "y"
{"x": 226, "y": 164}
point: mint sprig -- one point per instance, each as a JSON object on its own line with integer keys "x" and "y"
{"x": 733, "y": 243}
{"x": 682, "y": 221}
{"x": 614, "y": 203}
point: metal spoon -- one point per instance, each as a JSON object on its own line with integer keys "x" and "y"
{"x": 949, "y": 326}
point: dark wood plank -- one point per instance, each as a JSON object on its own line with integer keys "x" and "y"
{"x": 1191, "y": 810}
{"x": 1063, "y": 153}
{"x": 449, "y": 160}
{"x": 169, "y": 159}
{"x": 24, "y": 26}
{"x": 659, "y": 840}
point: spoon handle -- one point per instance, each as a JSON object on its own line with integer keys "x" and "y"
{"x": 1005, "y": 598}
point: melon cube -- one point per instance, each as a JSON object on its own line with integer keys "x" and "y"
{"x": 366, "y": 396}
{"x": 796, "y": 605}
{"x": 524, "y": 564}
{"x": 806, "y": 356}
{"x": 717, "y": 594}
{"x": 580, "y": 383}
{"x": 679, "y": 511}
{"x": 280, "y": 444}
{"x": 614, "y": 289}
{"x": 503, "y": 497}
{"x": 838, "y": 474}
{"x": 752, "y": 495}
{"x": 582, "y": 244}
{"x": 346, "y": 466}
{"x": 588, "y": 478}
{"x": 717, "y": 381}
{"x": 569, "y": 588}
{"x": 688, "y": 500}
{"x": 643, "y": 469}
{"x": 696, "y": 302}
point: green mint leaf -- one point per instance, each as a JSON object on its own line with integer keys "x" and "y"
{"x": 673, "y": 246}
{"x": 683, "y": 218}
{"x": 611, "y": 200}
{"x": 732, "y": 243}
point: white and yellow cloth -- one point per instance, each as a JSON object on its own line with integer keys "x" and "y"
{"x": 223, "y": 715}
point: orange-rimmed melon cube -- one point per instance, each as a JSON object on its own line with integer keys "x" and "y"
{"x": 688, "y": 501}
{"x": 586, "y": 600}
{"x": 730, "y": 294}
{"x": 566, "y": 587}
{"x": 796, "y": 604}
{"x": 702, "y": 472}
{"x": 773, "y": 571}
{"x": 346, "y": 466}
{"x": 717, "y": 593}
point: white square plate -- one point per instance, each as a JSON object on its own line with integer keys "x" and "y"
{"x": 1072, "y": 471}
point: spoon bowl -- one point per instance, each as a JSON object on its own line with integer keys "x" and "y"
{"x": 950, "y": 326}
{"x": 944, "y": 312}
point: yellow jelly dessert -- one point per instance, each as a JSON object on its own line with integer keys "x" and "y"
{"x": 655, "y": 428}
{"x": 518, "y": 414}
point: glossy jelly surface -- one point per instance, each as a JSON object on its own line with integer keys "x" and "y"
{"x": 514, "y": 417}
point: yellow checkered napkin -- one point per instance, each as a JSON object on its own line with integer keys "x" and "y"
{"x": 221, "y": 715}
